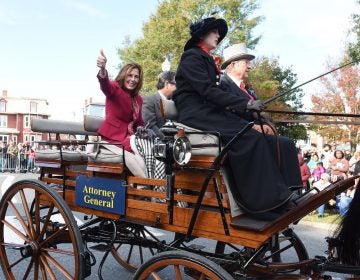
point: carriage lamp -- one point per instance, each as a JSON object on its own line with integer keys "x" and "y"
{"x": 169, "y": 150}
{"x": 181, "y": 149}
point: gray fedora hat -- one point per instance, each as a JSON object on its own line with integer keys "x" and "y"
{"x": 235, "y": 52}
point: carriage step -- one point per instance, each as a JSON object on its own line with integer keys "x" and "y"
{"x": 248, "y": 222}
{"x": 101, "y": 247}
{"x": 139, "y": 222}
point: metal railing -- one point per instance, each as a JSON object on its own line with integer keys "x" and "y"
{"x": 19, "y": 163}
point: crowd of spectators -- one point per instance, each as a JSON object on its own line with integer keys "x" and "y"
{"x": 17, "y": 158}
{"x": 320, "y": 168}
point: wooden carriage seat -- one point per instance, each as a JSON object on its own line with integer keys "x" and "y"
{"x": 54, "y": 154}
{"x": 102, "y": 156}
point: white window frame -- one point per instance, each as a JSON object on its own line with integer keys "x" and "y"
{"x": 3, "y": 106}
{"x": 33, "y": 107}
{"x": 3, "y": 120}
{"x": 27, "y": 119}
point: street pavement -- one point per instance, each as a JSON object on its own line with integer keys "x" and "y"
{"x": 312, "y": 234}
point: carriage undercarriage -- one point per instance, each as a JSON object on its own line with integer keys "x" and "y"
{"x": 48, "y": 236}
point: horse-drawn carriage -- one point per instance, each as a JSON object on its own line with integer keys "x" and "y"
{"x": 119, "y": 208}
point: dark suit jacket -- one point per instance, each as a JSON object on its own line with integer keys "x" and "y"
{"x": 228, "y": 85}
{"x": 118, "y": 113}
{"x": 151, "y": 113}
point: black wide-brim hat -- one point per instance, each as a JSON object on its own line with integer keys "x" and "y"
{"x": 202, "y": 27}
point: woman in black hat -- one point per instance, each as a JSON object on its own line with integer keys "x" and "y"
{"x": 202, "y": 104}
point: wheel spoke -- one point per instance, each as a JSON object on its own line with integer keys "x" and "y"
{"x": 46, "y": 222}
{"x": 58, "y": 251}
{"x": 156, "y": 276}
{"x": 36, "y": 268}
{"x": 53, "y": 236}
{"x": 177, "y": 272}
{"x": 37, "y": 216}
{"x": 129, "y": 254}
{"x": 16, "y": 262}
{"x": 20, "y": 218}
{"x": 202, "y": 276}
{"x": 16, "y": 231}
{"x": 57, "y": 265}
{"x": 43, "y": 271}
{"x": 27, "y": 213}
{"x": 47, "y": 267}
{"x": 28, "y": 269}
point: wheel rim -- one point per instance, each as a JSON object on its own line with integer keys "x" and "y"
{"x": 38, "y": 240}
{"x": 176, "y": 268}
{"x": 132, "y": 256}
{"x": 287, "y": 248}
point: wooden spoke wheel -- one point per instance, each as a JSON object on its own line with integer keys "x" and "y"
{"x": 131, "y": 256}
{"x": 39, "y": 237}
{"x": 180, "y": 265}
{"x": 283, "y": 248}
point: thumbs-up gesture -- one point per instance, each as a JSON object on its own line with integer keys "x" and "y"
{"x": 101, "y": 61}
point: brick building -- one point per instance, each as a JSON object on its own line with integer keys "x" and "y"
{"x": 15, "y": 116}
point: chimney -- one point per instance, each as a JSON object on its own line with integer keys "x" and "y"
{"x": 4, "y": 93}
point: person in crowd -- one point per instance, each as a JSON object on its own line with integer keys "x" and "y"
{"x": 237, "y": 64}
{"x": 304, "y": 171}
{"x": 12, "y": 152}
{"x": 321, "y": 185}
{"x": 344, "y": 200}
{"x": 318, "y": 171}
{"x": 151, "y": 112}
{"x": 354, "y": 163}
{"x": 123, "y": 105}
{"x": 339, "y": 166}
{"x": 204, "y": 105}
{"x": 314, "y": 160}
{"x": 31, "y": 160}
{"x": 326, "y": 156}
{"x": 2, "y": 156}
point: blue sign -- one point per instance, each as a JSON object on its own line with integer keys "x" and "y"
{"x": 100, "y": 194}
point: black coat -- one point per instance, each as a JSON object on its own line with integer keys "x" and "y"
{"x": 201, "y": 102}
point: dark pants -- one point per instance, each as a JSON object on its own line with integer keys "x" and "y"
{"x": 261, "y": 184}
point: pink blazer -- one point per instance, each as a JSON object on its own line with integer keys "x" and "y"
{"x": 118, "y": 113}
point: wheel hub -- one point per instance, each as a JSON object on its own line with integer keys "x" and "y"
{"x": 30, "y": 249}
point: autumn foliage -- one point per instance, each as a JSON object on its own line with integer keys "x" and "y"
{"x": 340, "y": 93}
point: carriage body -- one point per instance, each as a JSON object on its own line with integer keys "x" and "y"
{"x": 197, "y": 202}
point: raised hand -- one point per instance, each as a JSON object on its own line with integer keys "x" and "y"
{"x": 101, "y": 60}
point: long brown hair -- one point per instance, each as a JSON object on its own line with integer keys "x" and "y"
{"x": 127, "y": 68}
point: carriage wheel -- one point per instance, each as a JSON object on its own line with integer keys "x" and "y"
{"x": 131, "y": 256}
{"x": 180, "y": 265}
{"x": 286, "y": 247}
{"x": 39, "y": 238}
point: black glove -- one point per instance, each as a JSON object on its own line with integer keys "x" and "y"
{"x": 145, "y": 133}
{"x": 256, "y": 105}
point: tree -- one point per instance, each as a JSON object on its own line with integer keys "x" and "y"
{"x": 340, "y": 94}
{"x": 268, "y": 79}
{"x": 167, "y": 31}
{"x": 354, "y": 48}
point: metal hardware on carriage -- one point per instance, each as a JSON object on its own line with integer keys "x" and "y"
{"x": 175, "y": 147}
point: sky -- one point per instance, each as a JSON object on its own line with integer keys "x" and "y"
{"x": 48, "y": 49}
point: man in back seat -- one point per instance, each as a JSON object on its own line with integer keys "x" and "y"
{"x": 258, "y": 185}
{"x": 151, "y": 112}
